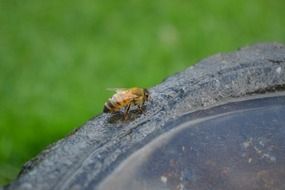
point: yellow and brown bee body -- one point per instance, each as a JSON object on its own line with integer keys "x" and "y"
{"x": 124, "y": 98}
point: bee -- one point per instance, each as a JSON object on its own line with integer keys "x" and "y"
{"x": 124, "y": 98}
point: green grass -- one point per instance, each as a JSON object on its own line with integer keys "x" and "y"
{"x": 58, "y": 57}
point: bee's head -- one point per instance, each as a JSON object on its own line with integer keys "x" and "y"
{"x": 146, "y": 94}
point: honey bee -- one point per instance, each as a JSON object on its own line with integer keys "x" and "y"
{"x": 124, "y": 98}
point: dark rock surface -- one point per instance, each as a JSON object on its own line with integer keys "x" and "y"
{"x": 237, "y": 145}
{"x": 89, "y": 154}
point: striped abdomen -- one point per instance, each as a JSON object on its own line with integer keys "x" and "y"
{"x": 115, "y": 104}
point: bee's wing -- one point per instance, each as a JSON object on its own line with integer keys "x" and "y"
{"x": 123, "y": 97}
{"x": 127, "y": 95}
{"x": 116, "y": 89}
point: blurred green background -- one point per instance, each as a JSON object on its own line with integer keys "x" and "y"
{"x": 58, "y": 57}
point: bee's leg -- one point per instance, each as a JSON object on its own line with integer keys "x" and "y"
{"x": 140, "y": 108}
{"x": 127, "y": 111}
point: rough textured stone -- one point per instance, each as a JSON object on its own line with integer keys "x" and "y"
{"x": 237, "y": 145}
{"x": 82, "y": 159}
